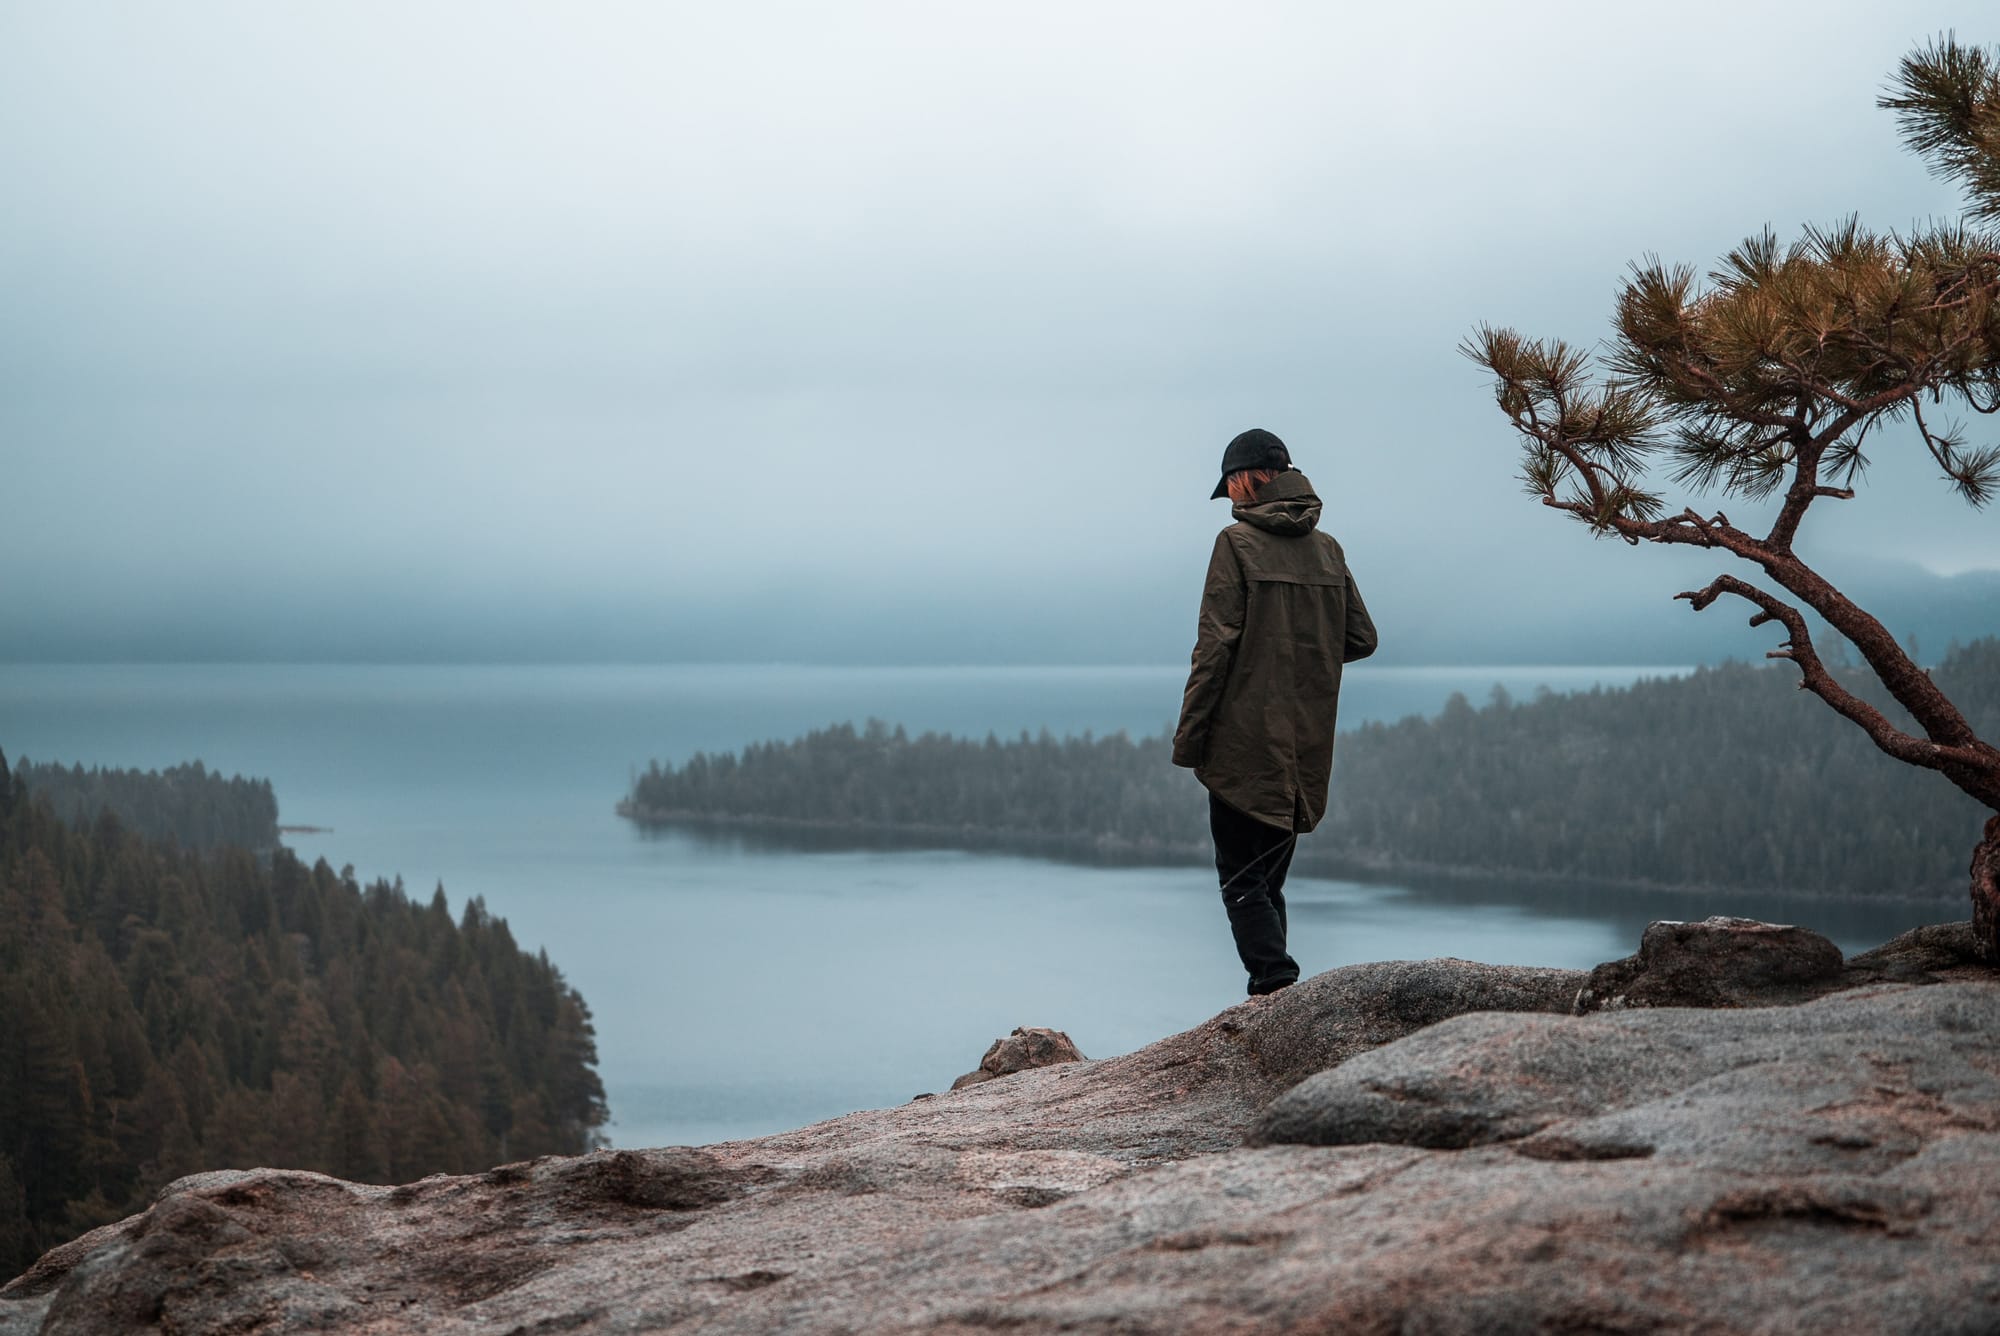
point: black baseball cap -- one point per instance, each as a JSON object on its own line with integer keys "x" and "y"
{"x": 1253, "y": 449}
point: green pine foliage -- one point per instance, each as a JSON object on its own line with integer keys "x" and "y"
{"x": 1728, "y": 777}
{"x": 189, "y": 804}
{"x": 168, "y": 1011}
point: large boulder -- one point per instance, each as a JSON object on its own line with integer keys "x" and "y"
{"x": 1793, "y": 1089}
{"x": 1327, "y": 1019}
{"x": 1197, "y": 1092}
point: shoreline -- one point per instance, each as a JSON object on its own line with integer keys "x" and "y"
{"x": 1111, "y": 852}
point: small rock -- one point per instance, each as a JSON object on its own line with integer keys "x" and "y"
{"x": 1029, "y": 1046}
{"x": 1718, "y": 962}
{"x": 1920, "y": 954}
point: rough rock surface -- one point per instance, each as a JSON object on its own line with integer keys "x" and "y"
{"x": 1830, "y": 1166}
{"x": 1027, "y": 1047}
{"x": 1718, "y": 962}
{"x": 1921, "y": 955}
{"x": 1770, "y": 1087}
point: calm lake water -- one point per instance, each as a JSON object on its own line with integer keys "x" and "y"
{"x": 737, "y": 989}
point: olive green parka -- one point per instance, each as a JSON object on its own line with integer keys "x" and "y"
{"x": 1280, "y": 615}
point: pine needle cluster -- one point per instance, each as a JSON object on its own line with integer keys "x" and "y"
{"x": 1947, "y": 103}
{"x": 1789, "y": 354}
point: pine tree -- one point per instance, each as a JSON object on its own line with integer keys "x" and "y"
{"x": 1767, "y": 381}
{"x": 167, "y": 1009}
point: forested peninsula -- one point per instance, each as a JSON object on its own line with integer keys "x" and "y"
{"x": 1727, "y": 777}
{"x": 190, "y": 804}
{"x": 173, "y": 1002}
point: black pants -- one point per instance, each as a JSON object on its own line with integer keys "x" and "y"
{"x": 1251, "y": 859}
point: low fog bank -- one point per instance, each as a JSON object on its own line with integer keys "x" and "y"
{"x": 1609, "y": 606}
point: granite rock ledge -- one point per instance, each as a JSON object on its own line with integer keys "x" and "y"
{"x": 1431, "y": 1146}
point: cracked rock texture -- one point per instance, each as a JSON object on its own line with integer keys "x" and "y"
{"x": 1436, "y": 1147}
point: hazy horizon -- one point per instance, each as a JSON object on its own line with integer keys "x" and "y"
{"x": 887, "y": 334}
{"x": 1446, "y": 627}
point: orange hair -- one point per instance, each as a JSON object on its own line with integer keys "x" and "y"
{"x": 1244, "y": 483}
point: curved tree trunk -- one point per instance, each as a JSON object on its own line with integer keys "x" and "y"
{"x": 1986, "y": 891}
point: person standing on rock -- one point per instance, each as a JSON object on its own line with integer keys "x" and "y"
{"x": 1280, "y": 617}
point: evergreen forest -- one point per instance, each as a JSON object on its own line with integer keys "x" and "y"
{"x": 169, "y": 1009}
{"x": 1727, "y": 777}
{"x": 189, "y": 804}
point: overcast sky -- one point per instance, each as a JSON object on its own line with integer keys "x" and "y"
{"x": 753, "y": 330}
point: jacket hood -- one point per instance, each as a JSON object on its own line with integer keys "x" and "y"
{"x": 1286, "y": 505}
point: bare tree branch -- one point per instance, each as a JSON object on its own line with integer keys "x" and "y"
{"x": 1815, "y": 678}
{"x": 1771, "y": 377}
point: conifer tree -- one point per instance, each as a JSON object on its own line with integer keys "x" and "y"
{"x": 166, "y": 1009}
{"x": 1767, "y": 382}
